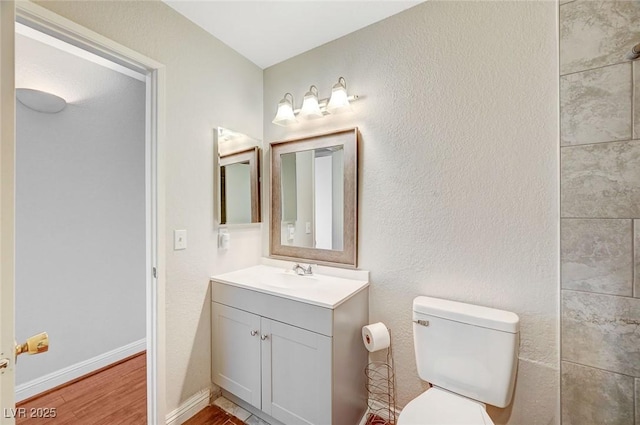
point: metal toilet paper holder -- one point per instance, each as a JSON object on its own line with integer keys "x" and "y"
{"x": 381, "y": 390}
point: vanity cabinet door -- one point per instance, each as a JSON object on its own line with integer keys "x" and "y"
{"x": 296, "y": 374}
{"x": 235, "y": 344}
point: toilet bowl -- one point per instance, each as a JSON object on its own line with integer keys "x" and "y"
{"x": 439, "y": 407}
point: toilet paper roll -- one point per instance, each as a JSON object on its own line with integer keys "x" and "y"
{"x": 376, "y": 337}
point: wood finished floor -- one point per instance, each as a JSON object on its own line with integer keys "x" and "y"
{"x": 213, "y": 415}
{"x": 116, "y": 395}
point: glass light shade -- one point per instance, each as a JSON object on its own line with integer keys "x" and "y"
{"x": 310, "y": 107}
{"x": 285, "y": 115}
{"x": 339, "y": 101}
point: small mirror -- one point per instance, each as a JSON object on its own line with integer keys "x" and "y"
{"x": 238, "y": 183}
{"x": 314, "y": 198}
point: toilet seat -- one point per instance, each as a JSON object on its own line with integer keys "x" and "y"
{"x": 439, "y": 407}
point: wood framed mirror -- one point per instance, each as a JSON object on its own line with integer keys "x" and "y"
{"x": 314, "y": 199}
{"x": 237, "y": 185}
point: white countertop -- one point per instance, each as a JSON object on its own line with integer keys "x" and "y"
{"x": 320, "y": 289}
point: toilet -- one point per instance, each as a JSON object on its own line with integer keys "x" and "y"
{"x": 469, "y": 354}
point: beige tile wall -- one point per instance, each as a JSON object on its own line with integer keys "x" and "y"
{"x": 601, "y": 180}
{"x": 600, "y": 210}
{"x": 594, "y": 34}
{"x": 601, "y": 331}
{"x": 596, "y": 396}
{"x": 597, "y": 256}
{"x": 595, "y": 105}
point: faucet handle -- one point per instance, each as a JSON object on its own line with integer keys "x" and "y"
{"x": 299, "y": 269}
{"x": 304, "y": 269}
{"x": 310, "y": 268}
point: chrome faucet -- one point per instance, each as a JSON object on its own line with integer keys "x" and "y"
{"x": 302, "y": 270}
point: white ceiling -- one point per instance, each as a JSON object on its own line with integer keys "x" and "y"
{"x": 267, "y": 32}
{"x": 48, "y": 64}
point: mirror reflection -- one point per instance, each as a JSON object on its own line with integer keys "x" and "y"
{"x": 238, "y": 197}
{"x": 236, "y": 193}
{"x": 313, "y": 198}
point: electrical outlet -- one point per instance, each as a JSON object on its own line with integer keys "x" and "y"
{"x": 223, "y": 239}
{"x": 179, "y": 239}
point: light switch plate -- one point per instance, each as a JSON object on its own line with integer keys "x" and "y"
{"x": 179, "y": 239}
{"x": 307, "y": 227}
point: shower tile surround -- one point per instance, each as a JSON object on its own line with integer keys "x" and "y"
{"x": 595, "y": 396}
{"x": 597, "y": 256}
{"x": 601, "y": 180}
{"x": 595, "y": 105}
{"x": 600, "y": 213}
{"x": 601, "y": 331}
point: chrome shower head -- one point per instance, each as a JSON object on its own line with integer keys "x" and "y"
{"x": 635, "y": 52}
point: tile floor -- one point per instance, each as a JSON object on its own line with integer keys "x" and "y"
{"x": 249, "y": 419}
{"x": 237, "y": 411}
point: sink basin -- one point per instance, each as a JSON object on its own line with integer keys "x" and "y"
{"x": 288, "y": 279}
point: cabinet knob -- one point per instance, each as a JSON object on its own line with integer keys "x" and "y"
{"x": 254, "y": 333}
{"x": 264, "y": 337}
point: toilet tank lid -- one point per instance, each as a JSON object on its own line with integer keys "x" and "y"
{"x": 485, "y": 317}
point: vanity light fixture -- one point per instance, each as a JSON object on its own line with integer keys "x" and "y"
{"x": 312, "y": 107}
{"x": 285, "y": 115}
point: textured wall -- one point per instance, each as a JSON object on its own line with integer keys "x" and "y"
{"x": 208, "y": 85}
{"x": 458, "y": 171}
{"x": 80, "y": 220}
{"x": 600, "y": 205}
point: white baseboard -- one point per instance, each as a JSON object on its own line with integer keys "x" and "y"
{"x": 189, "y": 408}
{"x": 59, "y": 377}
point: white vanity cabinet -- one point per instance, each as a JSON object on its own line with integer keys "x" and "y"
{"x": 290, "y": 360}
{"x": 278, "y": 368}
{"x": 236, "y": 363}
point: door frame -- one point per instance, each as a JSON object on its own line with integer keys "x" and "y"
{"x": 7, "y": 205}
{"x": 50, "y": 23}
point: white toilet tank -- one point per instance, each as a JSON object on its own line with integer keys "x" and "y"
{"x": 466, "y": 349}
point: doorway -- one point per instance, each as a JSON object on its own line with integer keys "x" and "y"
{"x": 80, "y": 211}
{"x": 151, "y": 75}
